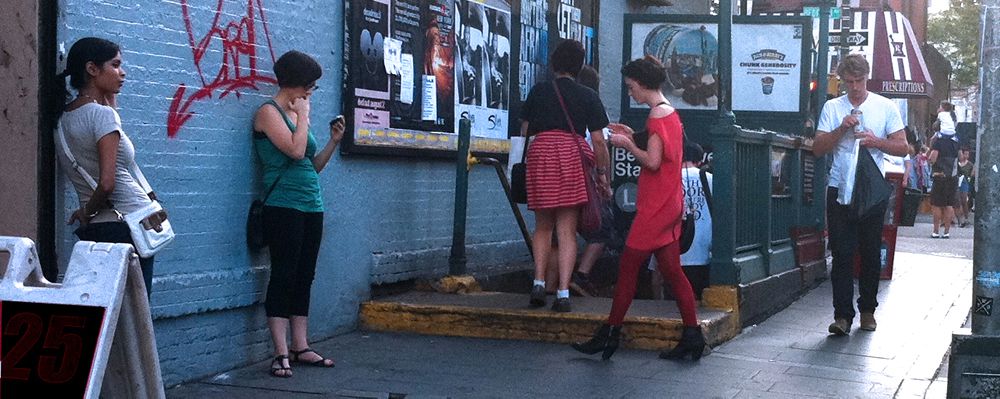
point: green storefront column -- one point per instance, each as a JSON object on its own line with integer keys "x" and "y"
{"x": 723, "y": 269}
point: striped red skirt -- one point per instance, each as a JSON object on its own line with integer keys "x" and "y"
{"x": 554, "y": 176}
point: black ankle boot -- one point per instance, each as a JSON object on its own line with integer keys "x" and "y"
{"x": 605, "y": 339}
{"x": 692, "y": 342}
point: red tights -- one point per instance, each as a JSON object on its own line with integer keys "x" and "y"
{"x": 668, "y": 259}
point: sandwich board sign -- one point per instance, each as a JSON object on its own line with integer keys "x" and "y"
{"x": 55, "y": 339}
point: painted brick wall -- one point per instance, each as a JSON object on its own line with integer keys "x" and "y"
{"x": 387, "y": 219}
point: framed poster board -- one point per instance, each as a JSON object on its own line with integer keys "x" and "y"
{"x": 770, "y": 61}
{"x": 771, "y": 64}
{"x": 413, "y": 68}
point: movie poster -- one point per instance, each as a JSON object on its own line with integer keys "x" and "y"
{"x": 371, "y": 89}
{"x": 438, "y": 66}
{"x": 405, "y": 107}
{"x": 690, "y": 52}
{"x": 533, "y": 53}
{"x": 413, "y": 67}
{"x": 482, "y": 66}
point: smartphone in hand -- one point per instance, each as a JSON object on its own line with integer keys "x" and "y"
{"x": 338, "y": 118}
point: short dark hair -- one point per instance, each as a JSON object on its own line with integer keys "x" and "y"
{"x": 647, "y": 71}
{"x": 297, "y": 69}
{"x": 693, "y": 152}
{"x": 947, "y": 106}
{"x": 854, "y": 64}
{"x": 567, "y": 57}
{"x": 588, "y": 77}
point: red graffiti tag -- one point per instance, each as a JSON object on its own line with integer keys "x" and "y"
{"x": 238, "y": 67}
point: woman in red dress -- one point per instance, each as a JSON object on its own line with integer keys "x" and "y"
{"x": 659, "y": 211}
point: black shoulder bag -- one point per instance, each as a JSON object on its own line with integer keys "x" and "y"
{"x": 519, "y": 177}
{"x": 255, "y": 217}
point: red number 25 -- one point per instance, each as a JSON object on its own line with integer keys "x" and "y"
{"x": 50, "y": 370}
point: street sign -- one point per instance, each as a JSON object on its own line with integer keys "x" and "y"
{"x": 814, "y": 12}
{"x": 854, "y": 39}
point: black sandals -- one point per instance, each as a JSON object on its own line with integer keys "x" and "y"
{"x": 278, "y": 368}
{"x": 321, "y": 362}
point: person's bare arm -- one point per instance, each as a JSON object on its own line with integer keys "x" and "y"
{"x": 894, "y": 144}
{"x": 270, "y": 122}
{"x": 827, "y": 141}
{"x": 107, "y": 153}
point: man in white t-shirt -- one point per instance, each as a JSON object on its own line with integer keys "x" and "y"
{"x": 876, "y": 131}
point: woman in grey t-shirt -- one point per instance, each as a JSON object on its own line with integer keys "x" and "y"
{"x": 94, "y": 136}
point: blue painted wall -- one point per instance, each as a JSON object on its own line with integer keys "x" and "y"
{"x": 387, "y": 219}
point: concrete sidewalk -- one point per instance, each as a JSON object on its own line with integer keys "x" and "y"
{"x": 789, "y": 355}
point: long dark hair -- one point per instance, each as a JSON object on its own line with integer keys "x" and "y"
{"x": 88, "y": 49}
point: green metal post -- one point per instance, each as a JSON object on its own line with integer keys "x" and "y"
{"x": 723, "y": 270}
{"x": 457, "y": 260}
{"x": 822, "y": 61}
{"x": 823, "y": 83}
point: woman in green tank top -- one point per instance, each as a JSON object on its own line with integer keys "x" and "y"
{"x": 293, "y": 211}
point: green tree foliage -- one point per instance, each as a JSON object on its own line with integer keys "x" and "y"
{"x": 955, "y": 33}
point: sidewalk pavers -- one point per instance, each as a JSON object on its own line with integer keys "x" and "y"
{"x": 787, "y": 356}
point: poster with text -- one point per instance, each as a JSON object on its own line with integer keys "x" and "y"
{"x": 690, "y": 53}
{"x": 371, "y": 88}
{"x": 414, "y": 68}
{"x": 482, "y": 66}
{"x": 767, "y": 70}
{"x": 404, "y": 87}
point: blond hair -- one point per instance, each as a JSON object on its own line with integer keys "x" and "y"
{"x": 854, "y": 65}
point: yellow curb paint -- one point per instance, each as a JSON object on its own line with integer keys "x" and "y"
{"x": 447, "y": 320}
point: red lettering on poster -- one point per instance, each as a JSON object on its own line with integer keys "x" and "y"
{"x": 238, "y": 67}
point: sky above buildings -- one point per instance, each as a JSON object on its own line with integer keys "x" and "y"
{"x": 935, "y": 6}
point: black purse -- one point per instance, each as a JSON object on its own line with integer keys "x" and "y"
{"x": 519, "y": 177}
{"x": 255, "y": 217}
{"x": 871, "y": 190}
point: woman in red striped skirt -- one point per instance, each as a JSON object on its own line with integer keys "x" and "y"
{"x": 555, "y": 179}
{"x": 656, "y": 228}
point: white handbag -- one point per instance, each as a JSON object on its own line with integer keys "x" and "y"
{"x": 146, "y": 239}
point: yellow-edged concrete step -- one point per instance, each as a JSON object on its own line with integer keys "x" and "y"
{"x": 650, "y": 324}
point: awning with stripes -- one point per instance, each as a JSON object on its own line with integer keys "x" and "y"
{"x": 887, "y": 41}
{"x": 898, "y": 67}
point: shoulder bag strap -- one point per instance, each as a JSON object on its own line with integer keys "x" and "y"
{"x": 72, "y": 159}
{"x": 706, "y": 188}
{"x": 288, "y": 162}
{"x": 570, "y": 121}
{"x": 524, "y": 151}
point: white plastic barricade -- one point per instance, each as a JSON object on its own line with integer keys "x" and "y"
{"x": 68, "y": 340}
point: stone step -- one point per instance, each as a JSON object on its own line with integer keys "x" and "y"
{"x": 650, "y": 324}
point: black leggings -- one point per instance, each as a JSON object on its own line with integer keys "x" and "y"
{"x": 293, "y": 237}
